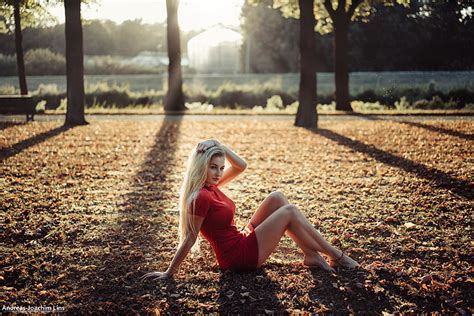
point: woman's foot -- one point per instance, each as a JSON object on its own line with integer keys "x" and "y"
{"x": 316, "y": 261}
{"x": 343, "y": 261}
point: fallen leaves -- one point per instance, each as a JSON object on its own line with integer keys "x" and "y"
{"x": 89, "y": 210}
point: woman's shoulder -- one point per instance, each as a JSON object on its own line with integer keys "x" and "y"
{"x": 202, "y": 201}
{"x": 203, "y": 193}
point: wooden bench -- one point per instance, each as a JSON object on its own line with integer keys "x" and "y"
{"x": 18, "y": 104}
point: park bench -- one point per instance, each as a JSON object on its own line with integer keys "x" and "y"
{"x": 18, "y": 104}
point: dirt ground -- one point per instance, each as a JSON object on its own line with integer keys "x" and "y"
{"x": 86, "y": 211}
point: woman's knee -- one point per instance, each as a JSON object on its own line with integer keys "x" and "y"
{"x": 278, "y": 196}
{"x": 291, "y": 210}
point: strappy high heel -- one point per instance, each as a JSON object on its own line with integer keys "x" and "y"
{"x": 337, "y": 262}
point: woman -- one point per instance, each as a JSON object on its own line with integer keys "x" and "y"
{"x": 204, "y": 208}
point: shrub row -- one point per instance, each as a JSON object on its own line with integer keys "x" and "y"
{"x": 41, "y": 61}
{"x": 248, "y": 96}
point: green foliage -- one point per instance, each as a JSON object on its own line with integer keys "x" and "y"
{"x": 40, "y": 107}
{"x": 100, "y": 38}
{"x": 43, "y": 61}
{"x": 275, "y": 102}
{"x": 395, "y": 38}
{"x": 7, "y": 90}
{"x": 8, "y": 66}
{"x": 270, "y": 40}
{"x": 269, "y": 98}
{"x": 33, "y": 13}
{"x": 248, "y": 96}
{"x": 108, "y": 65}
{"x": 324, "y": 25}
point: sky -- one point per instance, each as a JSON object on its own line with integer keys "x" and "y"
{"x": 192, "y": 14}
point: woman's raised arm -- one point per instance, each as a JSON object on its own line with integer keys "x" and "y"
{"x": 238, "y": 165}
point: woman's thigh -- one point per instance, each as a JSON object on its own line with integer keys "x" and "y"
{"x": 270, "y": 204}
{"x": 271, "y": 230}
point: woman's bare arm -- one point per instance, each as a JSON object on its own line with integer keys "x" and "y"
{"x": 236, "y": 162}
{"x": 180, "y": 254}
{"x": 238, "y": 165}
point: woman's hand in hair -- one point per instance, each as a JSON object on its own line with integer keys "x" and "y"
{"x": 156, "y": 275}
{"x": 205, "y": 145}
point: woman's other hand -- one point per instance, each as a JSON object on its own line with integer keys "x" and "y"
{"x": 205, "y": 145}
{"x": 156, "y": 275}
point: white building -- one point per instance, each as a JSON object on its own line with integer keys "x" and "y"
{"x": 216, "y": 50}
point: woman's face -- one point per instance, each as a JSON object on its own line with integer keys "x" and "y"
{"x": 215, "y": 170}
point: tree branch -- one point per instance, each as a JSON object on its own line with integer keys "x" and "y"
{"x": 329, "y": 8}
{"x": 352, "y": 8}
{"x": 341, "y": 7}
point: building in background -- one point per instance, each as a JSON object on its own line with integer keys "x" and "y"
{"x": 216, "y": 50}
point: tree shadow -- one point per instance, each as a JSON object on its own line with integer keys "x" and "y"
{"x": 7, "y": 125}
{"x": 133, "y": 241}
{"x": 249, "y": 293}
{"x": 35, "y": 140}
{"x": 441, "y": 130}
{"x": 437, "y": 178}
{"x": 347, "y": 292}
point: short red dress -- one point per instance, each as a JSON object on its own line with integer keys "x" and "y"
{"x": 234, "y": 250}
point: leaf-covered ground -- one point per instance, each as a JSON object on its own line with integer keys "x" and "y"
{"x": 88, "y": 210}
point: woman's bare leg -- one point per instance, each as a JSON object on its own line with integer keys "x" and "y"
{"x": 274, "y": 201}
{"x": 289, "y": 218}
{"x": 270, "y": 204}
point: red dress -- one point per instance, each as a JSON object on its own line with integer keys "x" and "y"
{"x": 234, "y": 250}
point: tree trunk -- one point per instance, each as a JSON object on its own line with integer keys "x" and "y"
{"x": 341, "y": 71}
{"x": 306, "y": 115}
{"x": 19, "y": 48}
{"x": 174, "y": 100}
{"x": 74, "y": 64}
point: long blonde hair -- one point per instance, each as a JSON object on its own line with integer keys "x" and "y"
{"x": 194, "y": 179}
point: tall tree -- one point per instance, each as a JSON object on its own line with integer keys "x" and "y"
{"x": 340, "y": 20}
{"x": 31, "y": 11}
{"x": 74, "y": 64}
{"x": 19, "y": 49}
{"x": 174, "y": 100}
{"x": 306, "y": 115}
{"x": 329, "y": 19}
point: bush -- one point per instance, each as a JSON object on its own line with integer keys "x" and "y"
{"x": 247, "y": 96}
{"x": 8, "y": 65}
{"x": 269, "y": 97}
{"x": 109, "y": 65}
{"x": 42, "y": 61}
{"x": 8, "y": 89}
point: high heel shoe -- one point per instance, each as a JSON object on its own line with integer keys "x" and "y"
{"x": 344, "y": 261}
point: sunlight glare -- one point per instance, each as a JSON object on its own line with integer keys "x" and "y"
{"x": 192, "y": 15}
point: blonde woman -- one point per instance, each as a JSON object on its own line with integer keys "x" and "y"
{"x": 204, "y": 208}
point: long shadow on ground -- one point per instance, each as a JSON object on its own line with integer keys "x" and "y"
{"x": 436, "y": 177}
{"x": 347, "y": 292}
{"x": 248, "y": 293}
{"x": 113, "y": 286}
{"x": 7, "y": 125}
{"x": 437, "y": 129}
{"x": 441, "y": 130}
{"x": 37, "y": 139}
